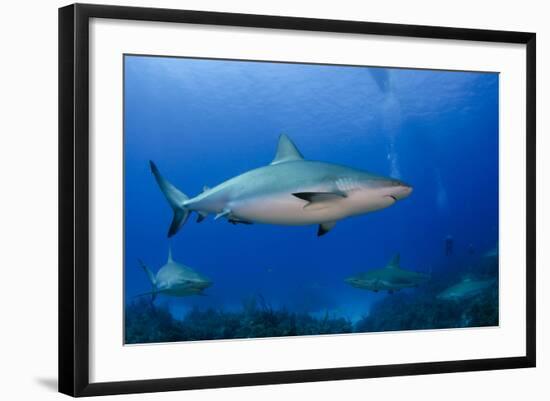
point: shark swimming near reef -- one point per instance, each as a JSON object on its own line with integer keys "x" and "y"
{"x": 467, "y": 288}
{"x": 289, "y": 191}
{"x": 175, "y": 279}
{"x": 390, "y": 278}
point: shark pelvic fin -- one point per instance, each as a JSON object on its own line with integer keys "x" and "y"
{"x": 325, "y": 228}
{"x": 394, "y": 262}
{"x": 223, "y": 213}
{"x": 286, "y": 151}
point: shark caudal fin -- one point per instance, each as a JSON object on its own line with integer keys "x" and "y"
{"x": 152, "y": 280}
{"x": 175, "y": 198}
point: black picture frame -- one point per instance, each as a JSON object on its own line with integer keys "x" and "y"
{"x": 74, "y": 198}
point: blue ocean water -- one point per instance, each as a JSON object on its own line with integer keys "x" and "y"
{"x": 205, "y": 121}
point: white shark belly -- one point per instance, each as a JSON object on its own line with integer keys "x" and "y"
{"x": 285, "y": 209}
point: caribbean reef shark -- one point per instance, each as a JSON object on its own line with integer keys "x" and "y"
{"x": 391, "y": 278}
{"x": 289, "y": 191}
{"x": 175, "y": 279}
{"x": 467, "y": 288}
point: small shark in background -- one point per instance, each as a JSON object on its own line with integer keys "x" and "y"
{"x": 289, "y": 191}
{"x": 390, "y": 278}
{"x": 467, "y": 288}
{"x": 175, "y": 279}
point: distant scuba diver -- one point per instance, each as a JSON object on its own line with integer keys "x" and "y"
{"x": 289, "y": 191}
{"x": 449, "y": 245}
{"x": 471, "y": 250}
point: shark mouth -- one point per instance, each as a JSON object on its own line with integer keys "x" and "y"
{"x": 393, "y": 197}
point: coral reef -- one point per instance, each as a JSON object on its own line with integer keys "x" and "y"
{"x": 146, "y": 323}
{"x": 419, "y": 311}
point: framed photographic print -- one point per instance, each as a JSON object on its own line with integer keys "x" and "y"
{"x": 250, "y": 199}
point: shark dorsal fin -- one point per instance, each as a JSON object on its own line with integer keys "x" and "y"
{"x": 286, "y": 151}
{"x": 170, "y": 260}
{"x": 394, "y": 262}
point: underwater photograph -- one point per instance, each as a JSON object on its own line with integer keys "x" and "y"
{"x": 268, "y": 199}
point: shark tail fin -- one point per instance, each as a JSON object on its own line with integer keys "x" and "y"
{"x": 175, "y": 198}
{"x": 152, "y": 279}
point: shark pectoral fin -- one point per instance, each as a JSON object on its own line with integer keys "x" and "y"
{"x": 201, "y": 216}
{"x": 319, "y": 196}
{"x": 319, "y": 200}
{"x": 149, "y": 273}
{"x": 223, "y": 213}
{"x": 153, "y": 295}
{"x": 325, "y": 228}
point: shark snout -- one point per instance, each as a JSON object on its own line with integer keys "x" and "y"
{"x": 399, "y": 190}
{"x": 403, "y": 191}
{"x": 202, "y": 284}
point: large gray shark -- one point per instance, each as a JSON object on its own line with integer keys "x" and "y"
{"x": 391, "y": 278}
{"x": 175, "y": 279}
{"x": 289, "y": 191}
{"x": 467, "y": 288}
